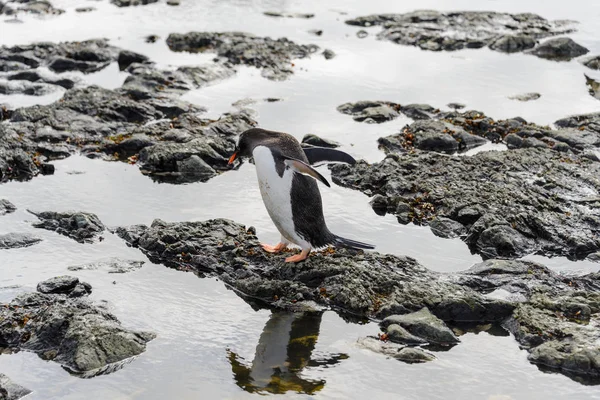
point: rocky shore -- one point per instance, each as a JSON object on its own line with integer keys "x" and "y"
{"x": 536, "y": 197}
{"x": 450, "y": 31}
{"x": 552, "y": 316}
{"x": 60, "y": 324}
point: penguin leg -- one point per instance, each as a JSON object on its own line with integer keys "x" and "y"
{"x": 279, "y": 247}
{"x": 299, "y": 257}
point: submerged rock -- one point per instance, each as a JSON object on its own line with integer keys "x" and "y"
{"x": 559, "y": 49}
{"x": 80, "y": 226}
{"x": 525, "y": 96}
{"x": 371, "y": 111}
{"x": 288, "y": 15}
{"x": 449, "y": 31}
{"x": 424, "y": 325}
{"x": 128, "y": 3}
{"x": 17, "y": 240}
{"x": 8, "y": 389}
{"x": 6, "y": 207}
{"x": 68, "y": 329}
{"x": 593, "y": 86}
{"x": 592, "y": 63}
{"x": 274, "y": 57}
{"x": 408, "y": 355}
{"x": 113, "y": 266}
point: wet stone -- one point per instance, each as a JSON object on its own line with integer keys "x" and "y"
{"x": 315, "y": 140}
{"x": 408, "y": 355}
{"x": 450, "y": 31}
{"x": 8, "y": 389}
{"x": 277, "y": 14}
{"x": 71, "y": 330}
{"x": 370, "y": 111}
{"x": 80, "y": 226}
{"x": 6, "y": 207}
{"x": 526, "y": 97}
{"x": 424, "y": 325}
{"x": 559, "y": 49}
{"x": 328, "y": 54}
{"x": 592, "y": 63}
{"x": 17, "y": 240}
{"x": 273, "y": 56}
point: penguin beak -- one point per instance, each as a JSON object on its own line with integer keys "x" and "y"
{"x": 232, "y": 158}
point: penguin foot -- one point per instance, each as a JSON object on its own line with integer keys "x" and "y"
{"x": 298, "y": 257}
{"x": 279, "y": 247}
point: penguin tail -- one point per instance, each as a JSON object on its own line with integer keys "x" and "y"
{"x": 339, "y": 241}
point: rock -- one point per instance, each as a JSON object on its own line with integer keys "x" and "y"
{"x": 80, "y": 226}
{"x": 437, "y": 31}
{"x": 328, "y": 54}
{"x": 287, "y": 15}
{"x": 17, "y": 240}
{"x": 370, "y": 111}
{"x": 526, "y": 97}
{"x": 67, "y": 285}
{"x": 173, "y": 2}
{"x": 447, "y": 228}
{"x": 39, "y": 7}
{"x": 127, "y": 3}
{"x": 405, "y": 354}
{"x": 315, "y": 140}
{"x": 316, "y": 32}
{"x": 8, "y": 389}
{"x": 362, "y": 34}
{"x": 398, "y": 334}
{"x": 593, "y": 62}
{"x": 152, "y": 38}
{"x": 274, "y": 57}
{"x": 503, "y": 241}
{"x": 559, "y": 49}
{"x": 424, "y": 325}
{"x": 83, "y": 337}
{"x": 593, "y": 86}
{"x": 85, "y": 9}
{"x": 456, "y": 106}
{"x": 418, "y": 111}
{"x": 114, "y": 266}
{"x": 366, "y": 284}
{"x": 6, "y": 207}
{"x": 126, "y": 58}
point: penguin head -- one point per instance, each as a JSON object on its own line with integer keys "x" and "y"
{"x": 247, "y": 141}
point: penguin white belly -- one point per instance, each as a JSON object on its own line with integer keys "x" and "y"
{"x": 276, "y": 194}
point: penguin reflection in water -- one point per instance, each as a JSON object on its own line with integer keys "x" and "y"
{"x": 288, "y": 185}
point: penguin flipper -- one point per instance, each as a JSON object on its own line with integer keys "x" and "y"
{"x": 305, "y": 169}
{"x": 324, "y": 155}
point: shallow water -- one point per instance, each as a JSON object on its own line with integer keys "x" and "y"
{"x": 199, "y": 320}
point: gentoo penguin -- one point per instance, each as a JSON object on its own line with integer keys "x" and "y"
{"x": 288, "y": 185}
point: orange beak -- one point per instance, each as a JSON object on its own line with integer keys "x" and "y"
{"x": 232, "y": 158}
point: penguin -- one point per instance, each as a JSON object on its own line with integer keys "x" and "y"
{"x": 288, "y": 186}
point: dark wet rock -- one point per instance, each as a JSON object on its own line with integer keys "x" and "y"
{"x": 36, "y": 7}
{"x": 315, "y": 140}
{"x": 8, "y": 389}
{"x": 67, "y": 285}
{"x": 362, "y": 34}
{"x": 83, "y": 337}
{"x": 173, "y": 2}
{"x": 85, "y": 56}
{"x": 526, "y": 97}
{"x": 85, "y": 9}
{"x": 6, "y": 207}
{"x": 456, "y": 106}
{"x": 371, "y": 111}
{"x": 437, "y": 31}
{"x": 273, "y": 56}
{"x": 113, "y": 266}
{"x": 418, "y": 111}
{"x": 24, "y": 87}
{"x": 367, "y": 284}
{"x": 288, "y": 15}
{"x": 593, "y": 62}
{"x": 152, "y": 38}
{"x": 328, "y": 54}
{"x": 424, "y": 325}
{"x": 594, "y": 257}
{"x": 559, "y": 49}
{"x": 128, "y": 3}
{"x": 397, "y": 334}
{"x": 593, "y": 87}
{"x": 408, "y": 355}
{"x": 126, "y": 58}
{"x": 545, "y": 307}
{"x": 35, "y": 76}
{"x": 316, "y": 32}
{"x": 447, "y": 228}
{"x": 17, "y": 240}
{"x": 79, "y": 226}
{"x": 521, "y": 201}
{"x": 431, "y": 135}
